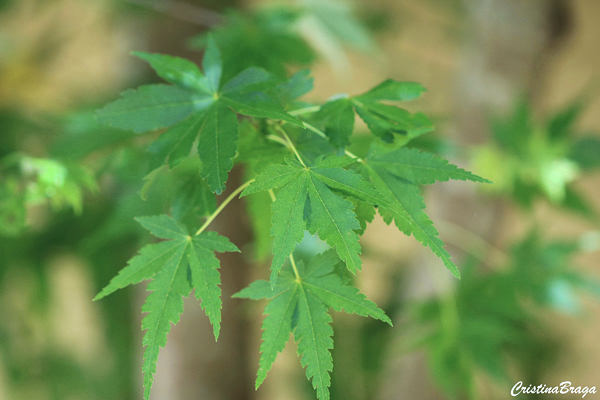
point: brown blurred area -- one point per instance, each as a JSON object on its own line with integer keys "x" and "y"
{"x": 474, "y": 56}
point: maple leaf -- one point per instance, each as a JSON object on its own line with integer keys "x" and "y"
{"x": 299, "y": 304}
{"x": 199, "y": 108}
{"x": 395, "y": 176}
{"x": 176, "y": 266}
{"x": 387, "y": 122}
{"x": 313, "y": 198}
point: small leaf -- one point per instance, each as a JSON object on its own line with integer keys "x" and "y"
{"x": 217, "y": 145}
{"x": 276, "y": 330}
{"x": 299, "y": 304}
{"x": 163, "y": 226}
{"x": 349, "y": 183}
{"x": 274, "y": 176}
{"x": 314, "y": 337}
{"x": 296, "y": 86}
{"x": 212, "y": 65}
{"x": 334, "y": 219}
{"x": 404, "y": 203}
{"x": 247, "y": 93}
{"x": 394, "y": 91}
{"x": 205, "y": 276}
{"x": 288, "y": 222}
{"x": 176, "y": 70}
{"x": 170, "y": 265}
{"x": 150, "y": 259}
{"x": 164, "y": 306}
{"x": 152, "y": 107}
{"x": 175, "y": 145}
{"x": 338, "y": 117}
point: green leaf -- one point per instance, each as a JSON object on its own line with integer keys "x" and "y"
{"x": 164, "y": 306}
{"x": 152, "y": 107}
{"x": 194, "y": 196}
{"x": 248, "y": 94}
{"x": 170, "y": 264}
{"x": 348, "y": 182}
{"x": 333, "y": 218}
{"x": 274, "y": 176}
{"x": 175, "y": 145}
{"x": 212, "y": 65}
{"x": 329, "y": 214}
{"x": 300, "y": 305}
{"x": 313, "y": 335}
{"x": 250, "y": 80}
{"x": 266, "y": 38}
{"x": 380, "y": 127}
{"x": 337, "y": 22}
{"x": 297, "y": 85}
{"x": 586, "y": 152}
{"x": 401, "y": 121}
{"x": 150, "y": 259}
{"x": 560, "y": 126}
{"x": 205, "y": 275}
{"x": 288, "y": 222}
{"x": 176, "y": 70}
{"x": 338, "y": 117}
{"x": 277, "y": 327}
{"x": 385, "y": 120}
{"x": 217, "y": 145}
{"x": 419, "y": 167}
{"x": 404, "y": 203}
{"x": 392, "y": 90}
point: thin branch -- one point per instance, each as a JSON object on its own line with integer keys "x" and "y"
{"x": 222, "y": 206}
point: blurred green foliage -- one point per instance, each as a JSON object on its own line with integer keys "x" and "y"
{"x": 540, "y": 159}
{"x": 90, "y": 181}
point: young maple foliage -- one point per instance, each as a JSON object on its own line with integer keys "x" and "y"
{"x": 167, "y": 264}
{"x": 298, "y": 304}
{"x": 297, "y": 152}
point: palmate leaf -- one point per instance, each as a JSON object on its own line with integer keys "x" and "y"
{"x": 404, "y": 203}
{"x": 198, "y": 107}
{"x": 300, "y": 305}
{"x": 308, "y": 200}
{"x": 176, "y": 267}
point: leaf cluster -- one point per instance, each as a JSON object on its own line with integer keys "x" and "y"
{"x": 491, "y": 320}
{"x": 296, "y": 156}
{"x": 540, "y": 159}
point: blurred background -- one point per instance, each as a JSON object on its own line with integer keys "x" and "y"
{"x": 513, "y": 88}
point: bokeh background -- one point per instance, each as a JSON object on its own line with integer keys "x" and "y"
{"x": 513, "y": 88}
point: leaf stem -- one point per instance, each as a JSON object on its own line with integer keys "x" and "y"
{"x": 278, "y": 140}
{"x": 293, "y": 262}
{"x": 290, "y": 144}
{"x": 304, "y": 110}
{"x": 222, "y": 206}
